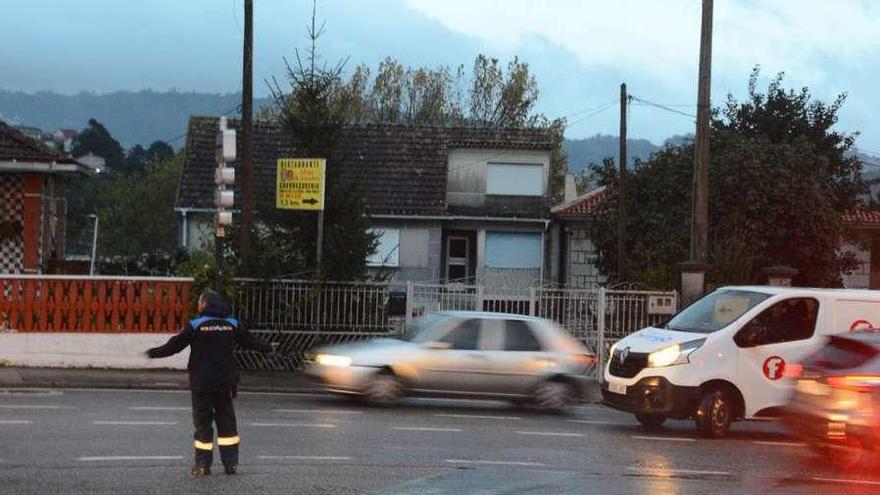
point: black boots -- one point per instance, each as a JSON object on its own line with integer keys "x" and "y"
{"x": 200, "y": 471}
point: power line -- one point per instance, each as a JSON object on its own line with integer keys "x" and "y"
{"x": 590, "y": 109}
{"x": 662, "y": 107}
{"x": 592, "y": 114}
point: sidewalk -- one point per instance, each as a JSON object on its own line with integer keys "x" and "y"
{"x": 251, "y": 381}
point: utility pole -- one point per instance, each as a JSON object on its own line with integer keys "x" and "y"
{"x": 694, "y": 271}
{"x": 621, "y": 191}
{"x": 247, "y": 125}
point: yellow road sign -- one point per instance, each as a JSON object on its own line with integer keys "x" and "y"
{"x": 299, "y": 184}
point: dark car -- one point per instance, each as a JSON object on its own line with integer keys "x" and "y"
{"x": 835, "y": 406}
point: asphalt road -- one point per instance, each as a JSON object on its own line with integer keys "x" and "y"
{"x": 123, "y": 441}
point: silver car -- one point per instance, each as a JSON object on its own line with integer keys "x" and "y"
{"x": 461, "y": 354}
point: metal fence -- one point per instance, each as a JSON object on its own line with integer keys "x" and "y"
{"x": 301, "y": 315}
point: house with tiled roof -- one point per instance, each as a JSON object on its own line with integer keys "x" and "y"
{"x": 32, "y": 203}
{"x": 577, "y": 254}
{"x": 451, "y": 205}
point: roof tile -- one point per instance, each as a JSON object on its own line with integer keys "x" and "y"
{"x": 396, "y": 169}
{"x": 15, "y": 146}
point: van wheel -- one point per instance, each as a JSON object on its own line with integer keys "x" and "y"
{"x": 650, "y": 420}
{"x": 713, "y": 414}
{"x": 384, "y": 389}
{"x": 554, "y": 396}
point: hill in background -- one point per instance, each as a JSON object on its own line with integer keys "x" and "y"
{"x": 132, "y": 117}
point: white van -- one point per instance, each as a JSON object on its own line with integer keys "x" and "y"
{"x": 724, "y": 357}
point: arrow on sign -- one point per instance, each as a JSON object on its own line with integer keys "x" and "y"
{"x": 310, "y": 201}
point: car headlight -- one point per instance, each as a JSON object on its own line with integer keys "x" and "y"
{"x": 331, "y": 360}
{"x": 674, "y": 354}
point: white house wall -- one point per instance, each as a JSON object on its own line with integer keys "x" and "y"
{"x": 468, "y": 170}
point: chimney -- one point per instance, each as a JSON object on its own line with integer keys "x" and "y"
{"x": 570, "y": 189}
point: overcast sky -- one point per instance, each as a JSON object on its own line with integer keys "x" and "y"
{"x": 579, "y": 50}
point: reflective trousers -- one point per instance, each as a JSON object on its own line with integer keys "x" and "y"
{"x": 212, "y": 404}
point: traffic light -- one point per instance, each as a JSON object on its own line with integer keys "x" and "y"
{"x": 224, "y": 177}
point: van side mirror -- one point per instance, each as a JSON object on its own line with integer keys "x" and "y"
{"x": 437, "y": 346}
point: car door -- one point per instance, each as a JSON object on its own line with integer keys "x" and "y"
{"x": 783, "y": 334}
{"x": 515, "y": 355}
{"x": 461, "y": 366}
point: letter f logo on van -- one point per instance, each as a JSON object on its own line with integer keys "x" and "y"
{"x": 774, "y": 366}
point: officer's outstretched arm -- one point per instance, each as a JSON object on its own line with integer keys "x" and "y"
{"x": 175, "y": 344}
{"x": 249, "y": 340}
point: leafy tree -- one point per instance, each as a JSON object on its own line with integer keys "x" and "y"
{"x": 96, "y": 139}
{"x": 138, "y": 227}
{"x": 160, "y": 152}
{"x": 136, "y": 160}
{"x": 781, "y": 180}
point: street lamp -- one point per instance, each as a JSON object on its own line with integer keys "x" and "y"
{"x": 94, "y": 244}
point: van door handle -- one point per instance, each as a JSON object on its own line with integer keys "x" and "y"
{"x": 477, "y": 355}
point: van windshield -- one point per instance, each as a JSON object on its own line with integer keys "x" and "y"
{"x": 715, "y": 311}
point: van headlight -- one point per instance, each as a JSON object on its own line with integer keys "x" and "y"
{"x": 674, "y": 354}
{"x": 331, "y": 360}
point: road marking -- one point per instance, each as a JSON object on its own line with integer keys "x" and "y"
{"x": 780, "y": 444}
{"x": 130, "y": 458}
{"x": 30, "y": 392}
{"x": 425, "y": 428}
{"x": 550, "y": 433}
{"x": 600, "y": 423}
{"x": 134, "y": 423}
{"x": 15, "y": 422}
{"x": 187, "y": 392}
{"x": 299, "y": 425}
{"x": 305, "y": 457}
{"x": 317, "y": 411}
{"x": 668, "y": 473}
{"x": 33, "y": 406}
{"x": 851, "y": 482}
{"x": 158, "y": 408}
{"x": 493, "y": 463}
{"x": 476, "y": 416}
{"x": 663, "y": 439}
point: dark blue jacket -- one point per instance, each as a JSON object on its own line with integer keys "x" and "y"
{"x": 212, "y": 336}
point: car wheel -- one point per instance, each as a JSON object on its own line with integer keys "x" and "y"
{"x": 554, "y": 396}
{"x": 650, "y": 420}
{"x": 384, "y": 389}
{"x": 713, "y": 414}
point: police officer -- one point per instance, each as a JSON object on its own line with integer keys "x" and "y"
{"x": 212, "y": 336}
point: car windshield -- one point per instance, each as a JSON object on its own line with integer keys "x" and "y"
{"x": 715, "y": 311}
{"x": 418, "y": 330}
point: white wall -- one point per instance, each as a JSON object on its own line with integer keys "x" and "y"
{"x": 86, "y": 350}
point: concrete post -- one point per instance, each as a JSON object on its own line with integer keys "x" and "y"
{"x": 693, "y": 280}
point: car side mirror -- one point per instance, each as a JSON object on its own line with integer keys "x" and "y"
{"x": 437, "y": 346}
